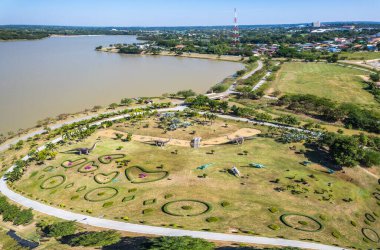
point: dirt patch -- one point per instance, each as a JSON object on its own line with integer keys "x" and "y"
{"x": 245, "y": 132}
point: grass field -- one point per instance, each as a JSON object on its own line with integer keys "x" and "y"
{"x": 359, "y": 55}
{"x": 323, "y": 80}
{"x": 250, "y": 203}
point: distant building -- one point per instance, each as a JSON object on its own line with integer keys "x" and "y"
{"x": 317, "y": 24}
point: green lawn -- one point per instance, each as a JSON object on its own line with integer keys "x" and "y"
{"x": 359, "y": 55}
{"x": 324, "y": 80}
{"x": 249, "y": 198}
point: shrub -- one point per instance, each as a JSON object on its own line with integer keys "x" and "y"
{"x": 108, "y": 204}
{"x": 80, "y": 189}
{"x": 274, "y": 227}
{"x": 60, "y": 229}
{"x": 180, "y": 243}
{"x": 147, "y": 211}
{"x": 149, "y": 202}
{"x": 225, "y": 204}
{"x": 323, "y": 217}
{"x": 104, "y": 238}
{"x": 353, "y": 223}
{"x": 212, "y": 219}
{"x": 187, "y": 207}
{"x": 167, "y": 196}
{"x": 132, "y": 190}
{"x": 128, "y": 198}
{"x": 302, "y": 222}
{"x": 273, "y": 209}
{"x": 336, "y": 234}
{"x": 75, "y": 197}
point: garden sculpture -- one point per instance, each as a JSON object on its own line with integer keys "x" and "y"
{"x": 84, "y": 151}
{"x": 161, "y": 143}
{"x": 239, "y": 140}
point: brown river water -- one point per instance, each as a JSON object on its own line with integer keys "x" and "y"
{"x": 44, "y": 78}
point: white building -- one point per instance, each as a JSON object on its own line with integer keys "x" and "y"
{"x": 317, "y": 24}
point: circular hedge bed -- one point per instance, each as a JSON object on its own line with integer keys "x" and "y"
{"x": 53, "y": 182}
{"x": 107, "y": 159}
{"x": 376, "y": 195}
{"x": 101, "y": 194}
{"x": 71, "y": 164}
{"x": 301, "y": 222}
{"x": 187, "y": 207}
{"x": 70, "y": 185}
{"x": 370, "y": 217}
{"x": 144, "y": 175}
{"x": 98, "y": 177}
{"x": 367, "y": 231}
{"x": 89, "y": 167}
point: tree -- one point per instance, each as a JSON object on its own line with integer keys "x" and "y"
{"x": 126, "y": 101}
{"x": 60, "y": 229}
{"x": 183, "y": 243}
{"x": 186, "y": 93}
{"x": 375, "y": 77}
{"x": 333, "y": 59}
{"x": 113, "y": 105}
{"x": 23, "y": 217}
{"x": 104, "y": 238}
{"x": 346, "y": 151}
{"x": 371, "y": 158}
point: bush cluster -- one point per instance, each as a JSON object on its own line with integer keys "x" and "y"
{"x": 14, "y": 214}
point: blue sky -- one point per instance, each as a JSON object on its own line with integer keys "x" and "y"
{"x": 183, "y": 12}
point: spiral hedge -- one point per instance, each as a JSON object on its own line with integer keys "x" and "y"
{"x": 42, "y": 186}
{"x": 87, "y": 198}
{"x": 365, "y": 234}
{"x": 283, "y": 220}
{"x": 166, "y": 210}
{"x": 105, "y": 160}
{"x": 127, "y": 171}
{"x": 90, "y": 163}
{"x": 103, "y": 174}
{"x": 74, "y": 163}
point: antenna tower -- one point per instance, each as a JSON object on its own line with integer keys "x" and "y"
{"x": 235, "y": 32}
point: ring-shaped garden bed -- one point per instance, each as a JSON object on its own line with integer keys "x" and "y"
{"x": 101, "y": 194}
{"x": 186, "y": 208}
{"x": 107, "y": 159}
{"x": 53, "y": 182}
{"x": 137, "y": 175}
{"x": 71, "y": 164}
{"x": 88, "y": 167}
{"x": 366, "y": 231}
{"x": 103, "y": 178}
{"x": 283, "y": 219}
{"x": 376, "y": 195}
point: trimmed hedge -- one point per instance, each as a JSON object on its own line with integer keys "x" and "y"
{"x": 225, "y": 204}
{"x": 165, "y": 208}
{"x": 370, "y": 217}
{"x": 80, "y": 189}
{"x": 69, "y": 185}
{"x": 274, "y": 227}
{"x": 145, "y": 171}
{"x": 86, "y": 196}
{"x": 104, "y": 158}
{"x": 212, "y": 219}
{"x": 54, "y": 186}
{"x": 364, "y": 232}
{"x": 90, "y": 163}
{"x": 283, "y": 220}
{"x": 74, "y": 163}
{"x": 128, "y": 198}
{"x": 48, "y": 169}
{"x": 103, "y": 174}
{"x": 149, "y": 202}
{"x": 147, "y": 211}
{"x": 108, "y": 204}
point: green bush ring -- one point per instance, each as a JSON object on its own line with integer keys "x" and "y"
{"x": 74, "y": 165}
{"x": 92, "y": 163}
{"x": 103, "y": 199}
{"x": 48, "y": 169}
{"x": 108, "y": 161}
{"x": 57, "y": 185}
{"x": 69, "y": 185}
{"x": 370, "y": 217}
{"x": 376, "y": 195}
{"x": 283, "y": 220}
{"x": 166, "y": 211}
{"x": 146, "y": 171}
{"x": 99, "y": 182}
{"x": 368, "y": 238}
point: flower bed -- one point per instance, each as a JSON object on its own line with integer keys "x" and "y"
{"x": 284, "y": 217}
{"x": 71, "y": 163}
{"x": 103, "y": 178}
{"x": 89, "y": 167}
{"x": 101, "y": 194}
{"x": 183, "y": 206}
{"x": 53, "y": 182}
{"x": 107, "y": 159}
{"x": 144, "y": 176}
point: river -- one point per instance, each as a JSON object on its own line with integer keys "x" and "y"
{"x": 44, "y": 78}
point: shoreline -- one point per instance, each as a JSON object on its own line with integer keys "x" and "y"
{"x": 226, "y": 58}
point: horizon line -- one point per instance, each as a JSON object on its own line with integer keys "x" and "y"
{"x": 180, "y": 26}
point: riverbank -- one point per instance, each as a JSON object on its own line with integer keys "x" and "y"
{"x": 227, "y": 58}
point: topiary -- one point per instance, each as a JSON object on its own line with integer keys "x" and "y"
{"x": 353, "y": 223}
{"x": 225, "y": 204}
{"x": 273, "y": 209}
{"x": 149, "y": 202}
{"x": 336, "y": 234}
{"x": 128, "y": 198}
{"x": 108, "y": 204}
{"x": 74, "y": 197}
{"x": 147, "y": 211}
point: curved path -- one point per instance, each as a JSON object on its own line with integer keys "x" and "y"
{"x": 144, "y": 229}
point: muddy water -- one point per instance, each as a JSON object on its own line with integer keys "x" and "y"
{"x": 43, "y": 78}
